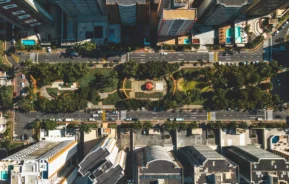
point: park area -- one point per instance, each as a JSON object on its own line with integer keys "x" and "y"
{"x": 154, "y": 85}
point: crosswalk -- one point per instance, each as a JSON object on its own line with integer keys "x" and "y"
{"x": 269, "y": 115}
{"x": 122, "y": 115}
{"x": 211, "y": 116}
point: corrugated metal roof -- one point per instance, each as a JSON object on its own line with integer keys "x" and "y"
{"x": 234, "y": 2}
{"x": 126, "y": 2}
{"x": 258, "y": 153}
{"x": 157, "y": 153}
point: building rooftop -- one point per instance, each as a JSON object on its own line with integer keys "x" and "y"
{"x": 254, "y": 154}
{"x": 153, "y": 153}
{"x": 208, "y": 153}
{"x": 43, "y": 150}
{"x": 126, "y": 2}
{"x": 99, "y": 154}
{"x": 179, "y": 14}
{"x": 233, "y": 2}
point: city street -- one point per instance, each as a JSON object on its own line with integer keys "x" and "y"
{"x": 164, "y": 115}
{"x": 233, "y": 115}
{"x": 57, "y": 57}
{"x": 196, "y": 56}
{"x": 171, "y": 56}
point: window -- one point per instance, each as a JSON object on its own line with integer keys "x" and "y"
{"x": 30, "y": 21}
{"x": 18, "y": 12}
{"x": 24, "y": 16}
{"x": 88, "y": 34}
{"x": 10, "y": 6}
{"x": 98, "y": 32}
{"x": 35, "y": 24}
{"x": 4, "y": 1}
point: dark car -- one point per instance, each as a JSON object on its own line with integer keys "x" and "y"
{"x": 134, "y": 119}
{"x": 278, "y": 117}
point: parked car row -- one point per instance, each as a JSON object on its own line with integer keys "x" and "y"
{"x": 280, "y": 28}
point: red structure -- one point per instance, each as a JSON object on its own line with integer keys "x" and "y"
{"x": 149, "y": 86}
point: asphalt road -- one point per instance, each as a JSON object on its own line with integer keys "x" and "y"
{"x": 233, "y": 115}
{"x": 250, "y": 56}
{"x": 170, "y": 57}
{"x": 164, "y": 115}
{"x": 193, "y": 56}
{"x": 58, "y": 57}
{"x": 82, "y": 116}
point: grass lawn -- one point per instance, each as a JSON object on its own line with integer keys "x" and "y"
{"x": 127, "y": 84}
{"x": 54, "y": 92}
{"x": 111, "y": 99}
{"x": 190, "y": 69}
{"x": 184, "y": 85}
{"x": 84, "y": 81}
{"x": 144, "y": 95}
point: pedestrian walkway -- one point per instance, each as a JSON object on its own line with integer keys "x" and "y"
{"x": 269, "y": 115}
{"x": 122, "y": 115}
{"x": 211, "y": 116}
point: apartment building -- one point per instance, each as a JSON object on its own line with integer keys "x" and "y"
{"x": 260, "y": 8}
{"x": 176, "y": 22}
{"x": 205, "y": 165}
{"x": 43, "y": 162}
{"x": 105, "y": 163}
{"x": 156, "y": 165}
{"x": 220, "y": 11}
{"x": 24, "y": 13}
{"x": 259, "y": 166}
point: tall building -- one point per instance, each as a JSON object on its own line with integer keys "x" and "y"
{"x": 24, "y": 13}
{"x": 104, "y": 163}
{"x": 163, "y": 4}
{"x": 127, "y": 12}
{"x": 82, "y": 7}
{"x": 156, "y": 165}
{"x": 207, "y": 166}
{"x": 43, "y": 162}
{"x": 259, "y": 166}
{"x": 263, "y": 7}
{"x": 218, "y": 12}
{"x": 176, "y": 22}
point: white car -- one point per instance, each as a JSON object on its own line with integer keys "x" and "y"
{"x": 99, "y": 112}
{"x": 259, "y": 119}
{"x": 94, "y": 115}
{"x": 91, "y": 119}
{"x": 22, "y": 84}
{"x": 49, "y": 49}
{"x": 59, "y": 119}
{"x": 22, "y": 76}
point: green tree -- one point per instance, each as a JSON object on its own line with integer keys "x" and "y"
{"x": 147, "y": 125}
{"x": 26, "y": 104}
{"x": 255, "y": 78}
{"x": 137, "y": 125}
{"x": 193, "y": 125}
{"x": 243, "y": 125}
{"x": 182, "y": 126}
{"x": 6, "y": 101}
{"x": 49, "y": 125}
{"x": 86, "y": 128}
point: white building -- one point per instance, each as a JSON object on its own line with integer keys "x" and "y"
{"x": 105, "y": 163}
{"x": 43, "y": 162}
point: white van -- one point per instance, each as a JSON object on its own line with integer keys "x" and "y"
{"x": 94, "y": 115}
{"x": 179, "y": 119}
{"x": 69, "y": 119}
